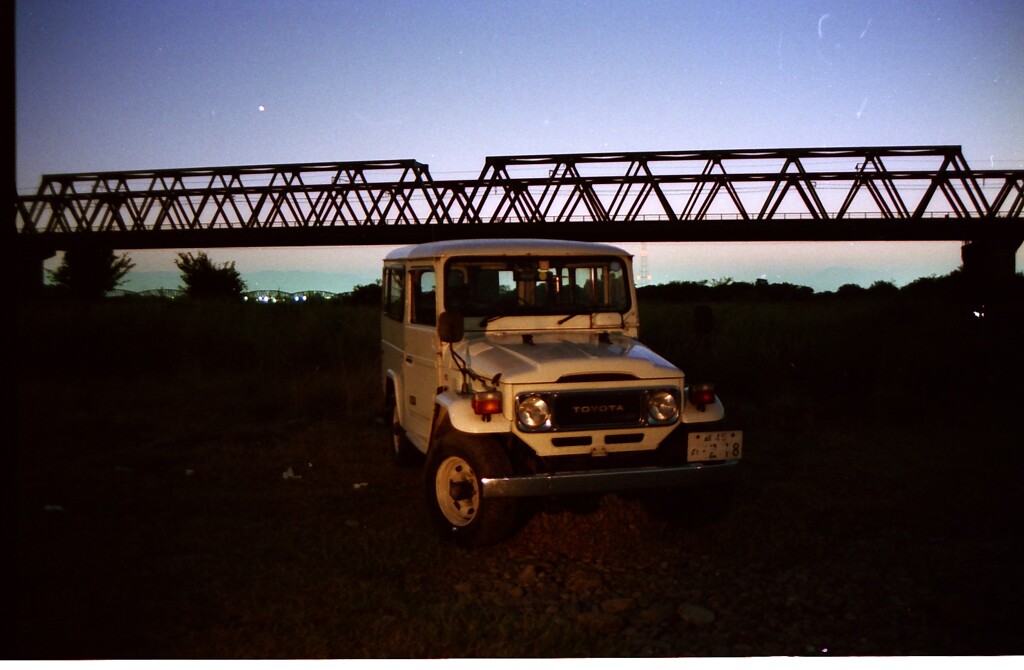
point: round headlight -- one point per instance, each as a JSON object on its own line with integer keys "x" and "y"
{"x": 662, "y": 407}
{"x": 533, "y": 413}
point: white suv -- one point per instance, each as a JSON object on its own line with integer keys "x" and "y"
{"x": 513, "y": 366}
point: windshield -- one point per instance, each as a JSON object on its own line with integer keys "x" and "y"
{"x": 530, "y": 285}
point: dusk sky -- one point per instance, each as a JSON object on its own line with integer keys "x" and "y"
{"x": 123, "y": 85}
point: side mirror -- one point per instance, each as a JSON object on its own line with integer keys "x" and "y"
{"x": 450, "y": 327}
{"x": 703, "y": 320}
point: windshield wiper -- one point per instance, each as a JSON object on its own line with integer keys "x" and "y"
{"x": 566, "y": 318}
{"x": 494, "y": 317}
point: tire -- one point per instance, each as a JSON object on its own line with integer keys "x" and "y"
{"x": 454, "y": 495}
{"x": 403, "y": 453}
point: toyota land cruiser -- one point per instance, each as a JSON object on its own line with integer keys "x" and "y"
{"x": 512, "y": 368}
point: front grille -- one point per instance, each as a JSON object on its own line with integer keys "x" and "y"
{"x": 595, "y": 377}
{"x": 573, "y": 411}
{"x": 578, "y": 441}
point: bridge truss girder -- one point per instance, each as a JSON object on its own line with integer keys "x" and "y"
{"x": 869, "y": 193}
{"x": 710, "y": 184}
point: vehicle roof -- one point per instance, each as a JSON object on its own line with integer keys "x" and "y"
{"x": 503, "y": 247}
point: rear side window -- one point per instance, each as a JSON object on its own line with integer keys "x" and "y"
{"x": 394, "y": 292}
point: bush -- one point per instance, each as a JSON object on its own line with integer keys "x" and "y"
{"x": 204, "y": 279}
{"x": 90, "y": 272}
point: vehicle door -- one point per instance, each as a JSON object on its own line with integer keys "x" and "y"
{"x": 422, "y": 357}
{"x": 392, "y": 328}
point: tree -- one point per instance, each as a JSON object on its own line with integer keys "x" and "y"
{"x": 89, "y": 272}
{"x": 883, "y": 288}
{"x": 364, "y": 294}
{"x": 851, "y": 291}
{"x": 204, "y": 279}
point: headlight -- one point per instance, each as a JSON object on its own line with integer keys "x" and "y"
{"x": 662, "y": 407}
{"x": 533, "y": 413}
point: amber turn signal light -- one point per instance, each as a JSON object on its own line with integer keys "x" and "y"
{"x": 487, "y": 402}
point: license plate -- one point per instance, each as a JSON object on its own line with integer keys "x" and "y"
{"x": 726, "y": 445}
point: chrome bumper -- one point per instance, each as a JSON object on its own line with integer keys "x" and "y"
{"x": 604, "y": 481}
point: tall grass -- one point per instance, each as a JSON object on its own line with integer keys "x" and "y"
{"x": 311, "y": 359}
{"x": 834, "y": 352}
{"x": 322, "y": 358}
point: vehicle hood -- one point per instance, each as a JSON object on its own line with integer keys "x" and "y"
{"x": 546, "y": 357}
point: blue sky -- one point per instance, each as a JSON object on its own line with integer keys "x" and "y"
{"x": 120, "y": 85}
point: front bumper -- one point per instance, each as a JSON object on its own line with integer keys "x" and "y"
{"x": 606, "y": 481}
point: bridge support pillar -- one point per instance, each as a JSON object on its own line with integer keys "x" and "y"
{"x": 29, "y": 276}
{"x": 989, "y": 266}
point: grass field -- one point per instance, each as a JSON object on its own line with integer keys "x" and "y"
{"x": 209, "y": 481}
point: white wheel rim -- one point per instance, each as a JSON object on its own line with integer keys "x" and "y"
{"x": 455, "y": 471}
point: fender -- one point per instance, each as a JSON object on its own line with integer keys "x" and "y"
{"x": 395, "y": 379}
{"x": 463, "y": 419}
{"x": 691, "y": 414}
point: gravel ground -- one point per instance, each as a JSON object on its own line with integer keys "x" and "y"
{"x": 839, "y": 554}
{"x": 823, "y": 551}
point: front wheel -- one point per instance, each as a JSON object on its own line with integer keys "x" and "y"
{"x": 452, "y": 484}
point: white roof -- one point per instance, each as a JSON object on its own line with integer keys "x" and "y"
{"x": 504, "y": 247}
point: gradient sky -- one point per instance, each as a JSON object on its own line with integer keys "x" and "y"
{"x": 144, "y": 84}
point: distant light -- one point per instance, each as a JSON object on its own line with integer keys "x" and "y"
{"x": 262, "y": 108}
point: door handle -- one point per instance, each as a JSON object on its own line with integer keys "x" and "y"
{"x": 408, "y": 359}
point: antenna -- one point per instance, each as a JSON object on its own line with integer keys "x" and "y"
{"x": 643, "y": 274}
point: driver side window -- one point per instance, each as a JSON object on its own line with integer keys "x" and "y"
{"x": 394, "y": 292}
{"x": 424, "y": 297}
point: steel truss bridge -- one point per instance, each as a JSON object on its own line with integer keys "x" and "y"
{"x": 811, "y": 194}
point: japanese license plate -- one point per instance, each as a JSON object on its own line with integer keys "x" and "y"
{"x": 725, "y": 445}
